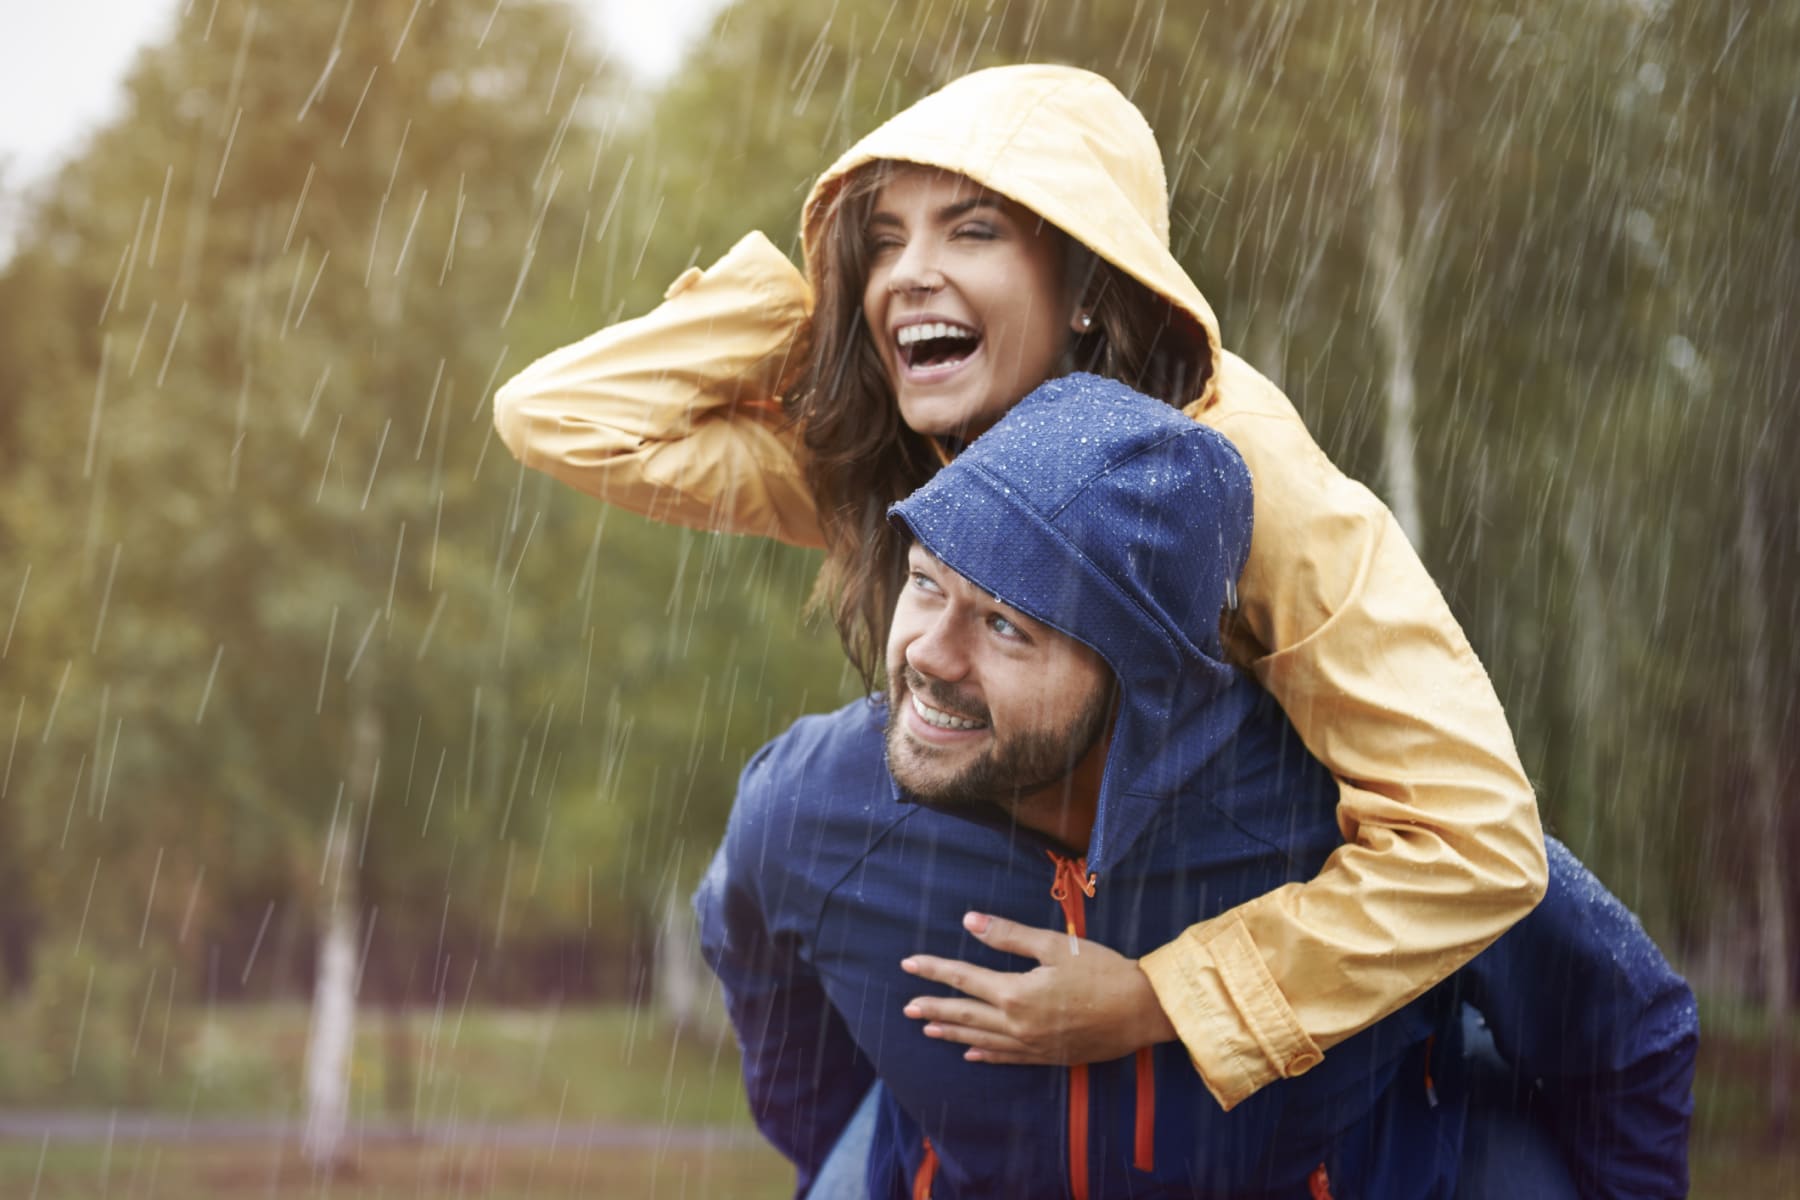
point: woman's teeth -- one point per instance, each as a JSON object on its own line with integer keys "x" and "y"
{"x": 938, "y": 719}
{"x": 912, "y": 334}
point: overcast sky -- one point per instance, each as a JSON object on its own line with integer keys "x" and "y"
{"x": 61, "y": 61}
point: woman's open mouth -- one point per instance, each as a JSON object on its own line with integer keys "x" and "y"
{"x": 933, "y": 348}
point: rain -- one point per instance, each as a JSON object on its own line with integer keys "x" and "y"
{"x": 355, "y": 802}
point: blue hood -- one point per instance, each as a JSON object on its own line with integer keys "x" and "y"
{"x": 1122, "y": 567}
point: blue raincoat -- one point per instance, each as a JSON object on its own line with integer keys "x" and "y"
{"x": 1121, "y": 523}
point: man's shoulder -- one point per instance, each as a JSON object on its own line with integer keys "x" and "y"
{"x": 821, "y": 762}
{"x": 811, "y": 803}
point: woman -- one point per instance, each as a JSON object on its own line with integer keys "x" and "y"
{"x": 1012, "y": 226}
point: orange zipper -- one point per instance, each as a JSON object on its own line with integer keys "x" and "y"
{"x": 1071, "y": 884}
{"x": 1144, "y": 1151}
{"x": 927, "y": 1173}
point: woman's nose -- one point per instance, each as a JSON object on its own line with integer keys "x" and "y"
{"x": 916, "y": 270}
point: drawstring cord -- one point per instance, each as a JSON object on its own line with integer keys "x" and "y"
{"x": 1072, "y": 877}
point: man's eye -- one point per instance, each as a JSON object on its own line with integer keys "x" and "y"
{"x": 1005, "y": 628}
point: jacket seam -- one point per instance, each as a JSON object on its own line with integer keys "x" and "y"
{"x": 826, "y": 893}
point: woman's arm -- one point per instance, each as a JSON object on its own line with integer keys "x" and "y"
{"x": 1443, "y": 848}
{"x": 676, "y": 414}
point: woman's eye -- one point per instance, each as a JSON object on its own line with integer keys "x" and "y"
{"x": 978, "y": 232}
{"x": 923, "y": 582}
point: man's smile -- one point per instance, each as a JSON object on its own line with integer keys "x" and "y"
{"x": 937, "y": 718}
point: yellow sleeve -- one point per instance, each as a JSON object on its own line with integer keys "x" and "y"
{"x": 676, "y": 414}
{"x": 1443, "y": 849}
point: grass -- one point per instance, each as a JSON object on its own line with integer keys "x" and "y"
{"x": 197, "y": 1171}
{"x": 570, "y": 1068}
{"x": 1732, "y": 1156}
{"x": 482, "y": 1065}
{"x": 579, "y": 1067}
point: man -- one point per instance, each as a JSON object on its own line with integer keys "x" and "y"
{"x": 1055, "y": 748}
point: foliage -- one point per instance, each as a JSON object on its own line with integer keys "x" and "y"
{"x": 260, "y": 501}
{"x": 248, "y": 489}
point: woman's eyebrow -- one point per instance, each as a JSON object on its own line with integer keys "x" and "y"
{"x": 963, "y": 208}
{"x": 949, "y": 212}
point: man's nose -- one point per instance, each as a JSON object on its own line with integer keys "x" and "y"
{"x": 939, "y": 651}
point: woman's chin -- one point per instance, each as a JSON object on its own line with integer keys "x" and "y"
{"x": 960, "y": 418}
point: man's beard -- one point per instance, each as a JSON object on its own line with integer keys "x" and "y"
{"x": 1024, "y": 763}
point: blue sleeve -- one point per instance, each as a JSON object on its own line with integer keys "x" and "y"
{"x": 1603, "y": 1031}
{"x": 803, "y": 1074}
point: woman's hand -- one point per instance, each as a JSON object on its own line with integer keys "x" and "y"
{"x": 1082, "y": 1003}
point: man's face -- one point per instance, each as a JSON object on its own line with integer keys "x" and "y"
{"x": 985, "y": 705}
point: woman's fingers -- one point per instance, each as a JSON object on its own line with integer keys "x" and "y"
{"x": 1008, "y": 1058}
{"x": 975, "y": 981}
{"x": 1045, "y": 945}
{"x": 985, "y": 1041}
{"x": 953, "y": 1012}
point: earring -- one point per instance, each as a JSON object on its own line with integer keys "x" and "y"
{"x": 1086, "y": 321}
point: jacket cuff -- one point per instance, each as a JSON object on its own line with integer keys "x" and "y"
{"x": 1228, "y": 1011}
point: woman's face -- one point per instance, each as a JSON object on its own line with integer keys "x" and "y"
{"x": 965, "y": 300}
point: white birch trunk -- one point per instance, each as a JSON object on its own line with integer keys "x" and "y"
{"x": 680, "y": 972}
{"x": 333, "y": 1027}
{"x": 331, "y": 1032}
{"x": 1396, "y": 301}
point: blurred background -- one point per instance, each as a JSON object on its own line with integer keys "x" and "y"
{"x": 355, "y": 779}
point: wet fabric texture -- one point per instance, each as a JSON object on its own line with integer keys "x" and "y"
{"x": 829, "y": 876}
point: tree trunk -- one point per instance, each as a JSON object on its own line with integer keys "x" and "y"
{"x": 332, "y": 1031}
{"x": 1765, "y": 803}
{"x": 398, "y": 1042}
{"x": 680, "y": 975}
{"x": 1396, "y": 299}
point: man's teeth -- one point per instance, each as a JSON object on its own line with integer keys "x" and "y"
{"x": 941, "y": 720}
{"x": 912, "y": 334}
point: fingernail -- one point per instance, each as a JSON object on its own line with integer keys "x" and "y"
{"x": 913, "y": 1010}
{"x": 972, "y": 1056}
{"x": 975, "y": 922}
{"x": 909, "y": 964}
{"x": 933, "y": 1031}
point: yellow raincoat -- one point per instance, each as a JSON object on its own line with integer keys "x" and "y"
{"x": 677, "y": 415}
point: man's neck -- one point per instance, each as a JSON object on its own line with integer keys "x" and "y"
{"x": 1065, "y": 810}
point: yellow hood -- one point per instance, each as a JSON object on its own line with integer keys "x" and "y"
{"x": 1063, "y": 142}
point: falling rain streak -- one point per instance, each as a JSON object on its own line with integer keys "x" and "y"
{"x": 1530, "y": 275}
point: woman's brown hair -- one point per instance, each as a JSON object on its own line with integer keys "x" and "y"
{"x": 861, "y": 457}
